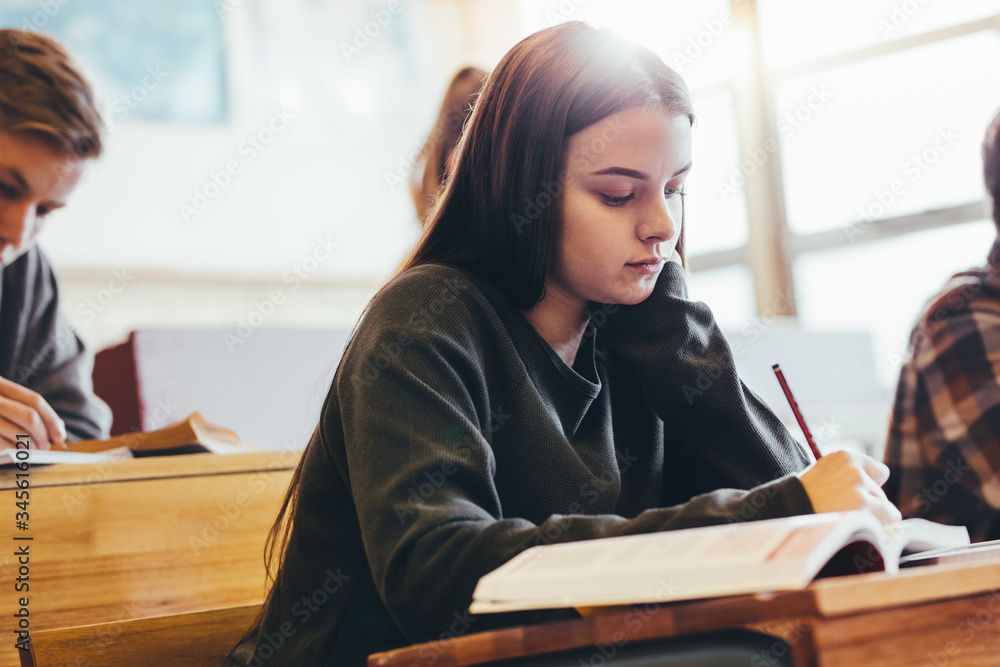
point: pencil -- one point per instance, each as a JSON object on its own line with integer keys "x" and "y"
{"x": 795, "y": 410}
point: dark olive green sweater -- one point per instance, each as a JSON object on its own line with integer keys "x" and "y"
{"x": 454, "y": 437}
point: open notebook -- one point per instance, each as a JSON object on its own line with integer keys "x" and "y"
{"x": 193, "y": 434}
{"x": 732, "y": 559}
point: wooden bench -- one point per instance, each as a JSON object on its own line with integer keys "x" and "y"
{"x": 175, "y": 640}
{"x": 121, "y": 541}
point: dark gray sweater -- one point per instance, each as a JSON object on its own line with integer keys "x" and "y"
{"x": 39, "y": 348}
{"x": 454, "y": 437}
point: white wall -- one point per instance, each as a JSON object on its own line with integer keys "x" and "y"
{"x": 345, "y": 123}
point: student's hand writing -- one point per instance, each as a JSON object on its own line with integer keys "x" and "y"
{"x": 846, "y": 481}
{"x": 22, "y": 411}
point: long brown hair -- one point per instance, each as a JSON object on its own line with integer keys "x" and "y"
{"x": 491, "y": 217}
{"x": 551, "y": 85}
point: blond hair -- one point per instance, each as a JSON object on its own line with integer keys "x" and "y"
{"x": 44, "y": 93}
{"x": 455, "y": 109}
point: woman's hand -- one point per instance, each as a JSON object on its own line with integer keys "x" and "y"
{"x": 847, "y": 481}
{"x": 22, "y": 411}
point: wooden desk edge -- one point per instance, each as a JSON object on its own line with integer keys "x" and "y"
{"x": 852, "y": 594}
{"x": 154, "y": 467}
{"x": 839, "y": 596}
{"x": 621, "y": 625}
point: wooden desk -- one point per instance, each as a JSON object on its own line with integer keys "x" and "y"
{"x": 124, "y": 540}
{"x": 936, "y": 616}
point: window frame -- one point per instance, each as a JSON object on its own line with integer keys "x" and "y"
{"x": 772, "y": 246}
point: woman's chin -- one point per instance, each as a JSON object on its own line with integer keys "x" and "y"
{"x": 635, "y": 296}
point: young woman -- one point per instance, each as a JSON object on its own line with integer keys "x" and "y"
{"x": 534, "y": 373}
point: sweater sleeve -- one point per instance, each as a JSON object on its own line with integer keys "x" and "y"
{"x": 54, "y": 362}
{"x": 415, "y": 422}
{"x": 723, "y": 431}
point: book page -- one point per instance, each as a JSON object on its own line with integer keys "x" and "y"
{"x": 706, "y": 548}
{"x": 10, "y": 457}
{"x": 680, "y": 564}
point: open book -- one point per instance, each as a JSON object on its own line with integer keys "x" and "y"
{"x": 193, "y": 434}
{"x": 731, "y": 559}
{"x": 974, "y": 553}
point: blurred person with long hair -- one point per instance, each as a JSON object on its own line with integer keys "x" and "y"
{"x": 437, "y": 156}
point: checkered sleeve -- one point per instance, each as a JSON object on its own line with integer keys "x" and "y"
{"x": 943, "y": 448}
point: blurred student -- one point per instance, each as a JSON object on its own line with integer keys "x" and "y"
{"x": 944, "y": 436}
{"x": 527, "y": 377}
{"x": 436, "y": 159}
{"x": 49, "y": 129}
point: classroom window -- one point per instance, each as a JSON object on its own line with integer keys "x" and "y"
{"x": 892, "y": 135}
{"x": 882, "y": 286}
{"x": 795, "y": 32}
{"x": 728, "y": 292}
{"x": 875, "y": 196}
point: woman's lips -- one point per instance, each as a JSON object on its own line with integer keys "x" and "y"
{"x": 647, "y": 266}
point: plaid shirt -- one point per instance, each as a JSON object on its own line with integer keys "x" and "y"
{"x": 944, "y": 436}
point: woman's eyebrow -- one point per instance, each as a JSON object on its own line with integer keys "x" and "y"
{"x": 632, "y": 173}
